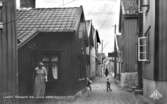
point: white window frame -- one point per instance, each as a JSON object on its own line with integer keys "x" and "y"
{"x": 145, "y": 51}
{"x": 1, "y": 25}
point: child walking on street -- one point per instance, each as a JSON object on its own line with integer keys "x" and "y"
{"x": 89, "y": 82}
{"x": 108, "y": 84}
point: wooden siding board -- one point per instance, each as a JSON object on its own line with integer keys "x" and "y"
{"x": 129, "y": 49}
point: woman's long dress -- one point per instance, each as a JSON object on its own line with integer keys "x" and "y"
{"x": 39, "y": 85}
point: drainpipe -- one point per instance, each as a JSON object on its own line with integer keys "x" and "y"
{"x": 140, "y": 64}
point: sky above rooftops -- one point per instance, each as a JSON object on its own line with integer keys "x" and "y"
{"x": 103, "y": 13}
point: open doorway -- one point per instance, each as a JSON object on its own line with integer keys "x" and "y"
{"x": 51, "y": 61}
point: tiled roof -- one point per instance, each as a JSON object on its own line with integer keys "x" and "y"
{"x": 46, "y": 20}
{"x": 129, "y": 6}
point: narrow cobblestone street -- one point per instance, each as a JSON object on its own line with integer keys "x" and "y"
{"x": 100, "y": 96}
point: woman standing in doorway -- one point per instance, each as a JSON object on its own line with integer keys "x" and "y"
{"x": 40, "y": 80}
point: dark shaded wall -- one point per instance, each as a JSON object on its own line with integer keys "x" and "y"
{"x": 79, "y": 58}
{"x": 129, "y": 38}
{"x": 8, "y": 52}
{"x": 58, "y": 42}
{"x": 162, "y": 23}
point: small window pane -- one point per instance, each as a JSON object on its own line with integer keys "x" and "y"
{"x": 54, "y": 59}
{"x": 45, "y": 59}
{"x": 1, "y": 25}
{"x": 143, "y": 48}
{"x": 55, "y": 71}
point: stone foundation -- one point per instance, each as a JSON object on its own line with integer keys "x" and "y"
{"x": 129, "y": 79}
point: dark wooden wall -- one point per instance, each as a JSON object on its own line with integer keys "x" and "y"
{"x": 69, "y": 47}
{"x": 129, "y": 39}
{"x": 79, "y": 60}
{"x": 8, "y": 54}
{"x": 25, "y": 70}
{"x": 162, "y": 23}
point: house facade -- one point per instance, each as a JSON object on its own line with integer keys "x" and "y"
{"x": 153, "y": 41}
{"x": 8, "y": 49}
{"x": 93, "y": 38}
{"x": 127, "y": 42}
{"x": 116, "y": 59}
{"x": 54, "y": 36}
{"x": 101, "y": 64}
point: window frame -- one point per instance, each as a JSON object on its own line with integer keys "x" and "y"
{"x": 146, "y": 48}
{"x": 1, "y": 25}
{"x": 1, "y": 4}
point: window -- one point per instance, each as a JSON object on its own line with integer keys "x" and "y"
{"x": 1, "y": 4}
{"x": 54, "y": 61}
{"x": 1, "y": 25}
{"x": 143, "y": 47}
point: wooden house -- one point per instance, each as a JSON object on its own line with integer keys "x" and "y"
{"x": 152, "y": 48}
{"x": 94, "y": 39}
{"x": 100, "y": 64}
{"x": 127, "y": 42}
{"x": 55, "y": 36}
{"x": 115, "y": 58}
{"x": 8, "y": 47}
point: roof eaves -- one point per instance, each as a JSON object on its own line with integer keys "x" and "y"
{"x": 27, "y": 39}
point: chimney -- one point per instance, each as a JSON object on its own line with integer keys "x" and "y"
{"x": 25, "y": 4}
